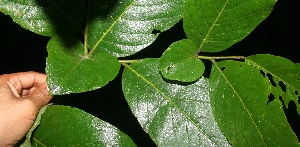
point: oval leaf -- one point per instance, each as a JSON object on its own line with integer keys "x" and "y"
{"x": 180, "y": 62}
{"x": 70, "y": 70}
{"x": 46, "y": 17}
{"x": 239, "y": 99}
{"x": 281, "y": 70}
{"x": 172, "y": 114}
{"x": 215, "y": 25}
{"x": 128, "y": 27}
{"x": 66, "y": 126}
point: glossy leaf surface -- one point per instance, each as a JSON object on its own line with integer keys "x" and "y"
{"x": 215, "y": 25}
{"x": 74, "y": 127}
{"x": 239, "y": 99}
{"x": 46, "y": 17}
{"x": 172, "y": 114}
{"x": 180, "y": 62}
{"x": 70, "y": 70}
{"x": 284, "y": 76}
{"x": 128, "y": 26}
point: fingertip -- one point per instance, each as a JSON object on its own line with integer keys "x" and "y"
{"x": 40, "y": 96}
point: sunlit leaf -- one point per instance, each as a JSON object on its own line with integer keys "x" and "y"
{"x": 283, "y": 73}
{"x": 70, "y": 70}
{"x": 46, "y": 17}
{"x": 128, "y": 25}
{"x": 239, "y": 99}
{"x": 66, "y": 126}
{"x": 215, "y": 25}
{"x": 172, "y": 114}
{"x": 180, "y": 62}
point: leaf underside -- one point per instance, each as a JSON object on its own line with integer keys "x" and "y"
{"x": 239, "y": 99}
{"x": 172, "y": 114}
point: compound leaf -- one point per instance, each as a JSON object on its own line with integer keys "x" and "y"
{"x": 66, "y": 126}
{"x": 70, "y": 70}
{"x": 283, "y": 75}
{"x": 172, "y": 114}
{"x": 46, "y": 17}
{"x": 215, "y": 25}
{"x": 180, "y": 62}
{"x": 128, "y": 26}
{"x": 239, "y": 99}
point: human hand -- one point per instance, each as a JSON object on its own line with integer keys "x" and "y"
{"x": 21, "y": 97}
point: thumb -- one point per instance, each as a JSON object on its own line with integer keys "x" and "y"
{"x": 40, "y": 96}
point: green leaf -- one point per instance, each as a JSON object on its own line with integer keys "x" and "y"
{"x": 66, "y": 126}
{"x": 46, "y": 17}
{"x": 215, "y": 25}
{"x": 128, "y": 26}
{"x": 239, "y": 99}
{"x": 27, "y": 142}
{"x": 70, "y": 70}
{"x": 180, "y": 62}
{"x": 282, "y": 71}
{"x": 172, "y": 114}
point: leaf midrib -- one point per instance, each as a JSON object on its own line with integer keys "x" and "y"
{"x": 240, "y": 98}
{"x": 212, "y": 26}
{"x": 112, "y": 25}
{"x": 169, "y": 99}
{"x": 66, "y": 15}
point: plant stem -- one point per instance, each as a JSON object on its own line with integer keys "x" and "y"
{"x": 222, "y": 57}
{"x": 200, "y": 57}
{"x": 128, "y": 61}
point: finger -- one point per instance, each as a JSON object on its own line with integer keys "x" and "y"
{"x": 25, "y": 80}
{"x": 40, "y": 96}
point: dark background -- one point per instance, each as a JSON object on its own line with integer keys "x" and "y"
{"x": 21, "y": 50}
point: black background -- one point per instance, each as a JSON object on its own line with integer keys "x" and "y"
{"x": 22, "y": 50}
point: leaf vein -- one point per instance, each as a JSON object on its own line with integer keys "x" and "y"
{"x": 110, "y": 28}
{"x": 168, "y": 98}
{"x": 235, "y": 92}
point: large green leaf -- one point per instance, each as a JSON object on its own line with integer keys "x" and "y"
{"x": 172, "y": 114}
{"x": 281, "y": 70}
{"x": 70, "y": 70}
{"x": 180, "y": 62}
{"x": 128, "y": 26}
{"x": 66, "y": 126}
{"x": 215, "y": 25}
{"x": 46, "y": 17}
{"x": 239, "y": 99}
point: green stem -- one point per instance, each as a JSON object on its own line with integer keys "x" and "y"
{"x": 86, "y": 29}
{"x": 128, "y": 61}
{"x": 222, "y": 57}
{"x": 200, "y": 57}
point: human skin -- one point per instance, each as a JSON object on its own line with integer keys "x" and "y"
{"x": 21, "y": 97}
